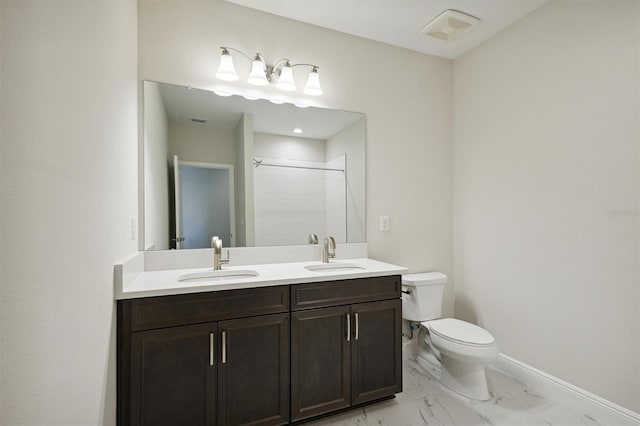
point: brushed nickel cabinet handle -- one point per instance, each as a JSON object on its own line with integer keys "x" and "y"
{"x": 224, "y": 347}
{"x": 357, "y": 327}
{"x": 348, "y": 328}
{"x": 211, "y": 337}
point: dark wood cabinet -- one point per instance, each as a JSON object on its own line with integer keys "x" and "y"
{"x": 253, "y": 374}
{"x": 178, "y": 367}
{"x": 320, "y": 361}
{"x": 173, "y": 376}
{"x": 258, "y": 356}
{"x": 344, "y": 355}
{"x": 376, "y": 350}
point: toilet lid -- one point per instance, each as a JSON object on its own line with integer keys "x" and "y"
{"x": 460, "y": 331}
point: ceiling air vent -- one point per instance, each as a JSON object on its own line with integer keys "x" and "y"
{"x": 450, "y": 25}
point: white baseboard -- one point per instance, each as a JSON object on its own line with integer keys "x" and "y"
{"x": 566, "y": 393}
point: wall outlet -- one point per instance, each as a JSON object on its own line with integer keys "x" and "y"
{"x": 384, "y": 223}
{"x": 134, "y": 229}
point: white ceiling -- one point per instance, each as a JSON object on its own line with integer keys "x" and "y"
{"x": 182, "y": 104}
{"x": 398, "y": 22}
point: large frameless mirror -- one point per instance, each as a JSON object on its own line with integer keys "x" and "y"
{"x": 250, "y": 171}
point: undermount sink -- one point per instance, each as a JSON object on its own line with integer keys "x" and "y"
{"x": 222, "y": 275}
{"x": 329, "y": 267}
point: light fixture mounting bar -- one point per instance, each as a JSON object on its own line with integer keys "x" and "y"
{"x": 225, "y": 50}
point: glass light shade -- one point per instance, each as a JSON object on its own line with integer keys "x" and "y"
{"x": 313, "y": 84}
{"x": 258, "y": 76}
{"x": 285, "y": 82}
{"x": 226, "y": 70}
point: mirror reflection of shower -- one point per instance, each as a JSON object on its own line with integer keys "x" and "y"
{"x": 295, "y": 198}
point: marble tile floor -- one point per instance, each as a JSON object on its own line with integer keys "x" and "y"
{"x": 425, "y": 402}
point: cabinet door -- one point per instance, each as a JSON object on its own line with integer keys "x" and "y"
{"x": 253, "y": 371}
{"x": 320, "y": 361}
{"x": 376, "y": 358}
{"x": 173, "y": 376}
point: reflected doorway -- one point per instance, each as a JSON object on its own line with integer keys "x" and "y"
{"x": 204, "y": 204}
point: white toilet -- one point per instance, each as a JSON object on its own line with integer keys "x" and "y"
{"x": 453, "y": 351}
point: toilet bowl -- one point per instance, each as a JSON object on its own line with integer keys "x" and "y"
{"x": 455, "y": 352}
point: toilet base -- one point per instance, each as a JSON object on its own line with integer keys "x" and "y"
{"x": 466, "y": 378}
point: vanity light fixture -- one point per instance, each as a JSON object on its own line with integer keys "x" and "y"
{"x": 262, "y": 74}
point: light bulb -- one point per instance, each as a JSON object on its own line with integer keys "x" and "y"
{"x": 226, "y": 70}
{"x": 313, "y": 83}
{"x": 257, "y": 76}
{"x": 285, "y": 82}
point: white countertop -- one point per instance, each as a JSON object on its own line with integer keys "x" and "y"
{"x": 162, "y": 283}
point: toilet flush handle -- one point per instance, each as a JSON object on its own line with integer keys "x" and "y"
{"x": 406, "y": 291}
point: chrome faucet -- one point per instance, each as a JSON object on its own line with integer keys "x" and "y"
{"x": 216, "y": 244}
{"x": 329, "y": 249}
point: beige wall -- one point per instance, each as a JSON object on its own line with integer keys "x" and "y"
{"x": 156, "y": 169}
{"x": 408, "y": 114}
{"x": 68, "y": 192}
{"x": 288, "y": 147}
{"x": 245, "y": 217}
{"x": 546, "y": 181}
{"x": 349, "y": 142}
{"x": 195, "y": 142}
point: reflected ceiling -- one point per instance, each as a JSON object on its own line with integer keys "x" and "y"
{"x": 225, "y": 112}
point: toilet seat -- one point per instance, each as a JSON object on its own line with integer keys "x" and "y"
{"x": 461, "y": 340}
{"x": 460, "y": 332}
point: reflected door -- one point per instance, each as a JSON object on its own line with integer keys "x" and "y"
{"x": 204, "y": 204}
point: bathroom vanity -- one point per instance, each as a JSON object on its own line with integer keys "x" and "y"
{"x": 271, "y": 349}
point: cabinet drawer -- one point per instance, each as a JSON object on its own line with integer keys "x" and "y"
{"x": 343, "y": 292}
{"x": 170, "y": 311}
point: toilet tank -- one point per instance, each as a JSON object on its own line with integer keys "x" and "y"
{"x": 424, "y": 300}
